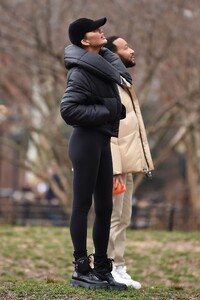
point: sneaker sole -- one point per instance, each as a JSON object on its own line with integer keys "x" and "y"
{"x": 77, "y": 283}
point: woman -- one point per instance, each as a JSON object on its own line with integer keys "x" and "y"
{"x": 91, "y": 104}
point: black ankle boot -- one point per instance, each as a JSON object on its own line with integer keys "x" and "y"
{"x": 84, "y": 276}
{"x": 102, "y": 270}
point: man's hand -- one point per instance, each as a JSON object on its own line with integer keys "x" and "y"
{"x": 118, "y": 184}
{"x": 117, "y": 179}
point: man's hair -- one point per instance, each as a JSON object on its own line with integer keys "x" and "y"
{"x": 110, "y": 44}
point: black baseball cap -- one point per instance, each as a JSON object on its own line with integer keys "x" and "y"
{"x": 80, "y": 27}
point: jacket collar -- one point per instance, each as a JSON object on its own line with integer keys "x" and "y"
{"x": 98, "y": 64}
{"x": 117, "y": 63}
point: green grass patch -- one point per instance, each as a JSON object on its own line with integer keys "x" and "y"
{"x": 36, "y": 263}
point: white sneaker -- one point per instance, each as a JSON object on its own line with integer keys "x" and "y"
{"x": 120, "y": 275}
{"x": 119, "y": 278}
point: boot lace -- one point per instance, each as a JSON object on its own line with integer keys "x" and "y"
{"x": 104, "y": 265}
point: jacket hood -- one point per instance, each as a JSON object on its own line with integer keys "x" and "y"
{"x": 100, "y": 64}
{"x": 117, "y": 63}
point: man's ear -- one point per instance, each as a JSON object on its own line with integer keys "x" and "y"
{"x": 84, "y": 42}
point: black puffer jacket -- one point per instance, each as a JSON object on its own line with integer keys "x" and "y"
{"x": 91, "y": 98}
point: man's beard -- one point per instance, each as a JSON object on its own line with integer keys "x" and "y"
{"x": 128, "y": 63}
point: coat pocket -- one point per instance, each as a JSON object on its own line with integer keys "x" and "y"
{"x": 111, "y": 105}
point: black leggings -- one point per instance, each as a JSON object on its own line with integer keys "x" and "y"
{"x": 90, "y": 154}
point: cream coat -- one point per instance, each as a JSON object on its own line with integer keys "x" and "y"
{"x": 130, "y": 151}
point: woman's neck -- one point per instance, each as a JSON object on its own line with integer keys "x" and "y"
{"x": 92, "y": 49}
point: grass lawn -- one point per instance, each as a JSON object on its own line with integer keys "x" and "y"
{"x": 36, "y": 263}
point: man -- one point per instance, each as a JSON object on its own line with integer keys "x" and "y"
{"x": 131, "y": 155}
{"x": 92, "y": 105}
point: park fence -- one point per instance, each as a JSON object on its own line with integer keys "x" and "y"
{"x": 42, "y": 212}
{"x": 28, "y": 212}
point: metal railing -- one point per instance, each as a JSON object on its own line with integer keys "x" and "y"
{"x": 42, "y": 212}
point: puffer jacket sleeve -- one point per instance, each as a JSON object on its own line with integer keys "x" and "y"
{"x": 79, "y": 106}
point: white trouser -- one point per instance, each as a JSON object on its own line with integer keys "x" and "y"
{"x": 120, "y": 220}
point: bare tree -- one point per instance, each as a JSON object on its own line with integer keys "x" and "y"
{"x": 165, "y": 37}
{"x": 34, "y": 77}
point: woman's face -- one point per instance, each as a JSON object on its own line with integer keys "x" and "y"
{"x": 94, "y": 39}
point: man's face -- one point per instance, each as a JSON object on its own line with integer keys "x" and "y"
{"x": 126, "y": 54}
{"x": 95, "y": 39}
